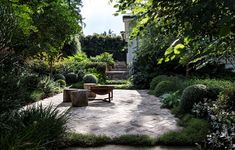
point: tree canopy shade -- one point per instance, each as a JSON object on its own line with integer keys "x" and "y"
{"x": 205, "y": 29}
{"x": 33, "y": 26}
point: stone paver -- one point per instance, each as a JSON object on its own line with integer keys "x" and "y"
{"x": 130, "y": 112}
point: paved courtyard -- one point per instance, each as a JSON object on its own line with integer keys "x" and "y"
{"x": 130, "y": 112}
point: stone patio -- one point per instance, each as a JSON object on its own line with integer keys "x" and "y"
{"x": 130, "y": 112}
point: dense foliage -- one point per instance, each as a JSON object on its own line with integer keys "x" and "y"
{"x": 33, "y": 32}
{"x": 210, "y": 100}
{"x": 201, "y": 30}
{"x": 32, "y": 128}
{"x": 178, "y": 37}
{"x": 97, "y": 44}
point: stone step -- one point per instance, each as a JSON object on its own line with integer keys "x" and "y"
{"x": 117, "y": 75}
{"x": 119, "y": 69}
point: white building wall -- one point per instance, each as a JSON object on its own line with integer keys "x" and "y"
{"x": 132, "y": 44}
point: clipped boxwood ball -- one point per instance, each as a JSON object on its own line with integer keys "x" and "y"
{"x": 71, "y": 78}
{"x": 59, "y": 76}
{"x": 191, "y": 95}
{"x": 157, "y": 80}
{"x": 90, "y": 78}
{"x": 61, "y": 82}
{"x": 165, "y": 87}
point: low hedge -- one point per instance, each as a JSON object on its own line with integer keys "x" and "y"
{"x": 99, "y": 66}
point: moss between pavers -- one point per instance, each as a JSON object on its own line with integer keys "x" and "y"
{"x": 195, "y": 131}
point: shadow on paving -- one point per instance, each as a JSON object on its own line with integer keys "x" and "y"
{"x": 130, "y": 112}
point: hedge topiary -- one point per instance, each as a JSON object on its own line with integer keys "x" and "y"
{"x": 61, "y": 82}
{"x": 59, "y": 76}
{"x": 192, "y": 94}
{"x": 71, "y": 78}
{"x": 90, "y": 78}
{"x": 157, "y": 80}
{"x": 164, "y": 87}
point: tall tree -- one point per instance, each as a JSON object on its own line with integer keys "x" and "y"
{"x": 205, "y": 29}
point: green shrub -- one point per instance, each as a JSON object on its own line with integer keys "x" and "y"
{"x": 71, "y": 78}
{"x": 221, "y": 85}
{"x": 78, "y": 57}
{"x": 168, "y": 84}
{"x": 37, "y": 95}
{"x": 90, "y": 78}
{"x": 80, "y": 75}
{"x": 195, "y": 131}
{"x": 170, "y": 100}
{"x": 91, "y": 140}
{"x": 59, "y": 77}
{"x": 171, "y": 85}
{"x": 71, "y": 46}
{"x": 191, "y": 95}
{"x": 14, "y": 90}
{"x": 99, "y": 66}
{"x": 61, "y": 83}
{"x": 31, "y": 81}
{"x": 76, "y": 139}
{"x": 222, "y": 122}
{"x": 104, "y": 57}
{"x": 140, "y": 80}
{"x": 135, "y": 140}
{"x": 157, "y": 80}
{"x": 48, "y": 86}
{"x": 117, "y": 82}
{"x": 34, "y": 128}
{"x": 101, "y": 77}
{"x": 39, "y": 66}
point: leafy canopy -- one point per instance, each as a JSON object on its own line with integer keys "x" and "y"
{"x": 204, "y": 29}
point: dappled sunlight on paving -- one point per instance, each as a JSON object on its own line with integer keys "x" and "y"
{"x": 130, "y": 112}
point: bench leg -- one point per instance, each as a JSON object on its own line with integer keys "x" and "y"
{"x": 109, "y": 98}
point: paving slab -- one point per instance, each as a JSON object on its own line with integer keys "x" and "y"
{"x": 130, "y": 112}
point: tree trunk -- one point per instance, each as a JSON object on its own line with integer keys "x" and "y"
{"x": 67, "y": 94}
{"x": 79, "y": 98}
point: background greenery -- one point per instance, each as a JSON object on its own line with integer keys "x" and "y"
{"x": 97, "y": 44}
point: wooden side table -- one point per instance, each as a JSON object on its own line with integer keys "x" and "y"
{"x": 79, "y": 98}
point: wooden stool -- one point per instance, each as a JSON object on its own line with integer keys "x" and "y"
{"x": 79, "y": 98}
{"x": 67, "y": 94}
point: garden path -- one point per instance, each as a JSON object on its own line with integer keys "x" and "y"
{"x": 130, "y": 112}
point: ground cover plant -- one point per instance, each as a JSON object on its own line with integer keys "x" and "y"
{"x": 34, "y": 127}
